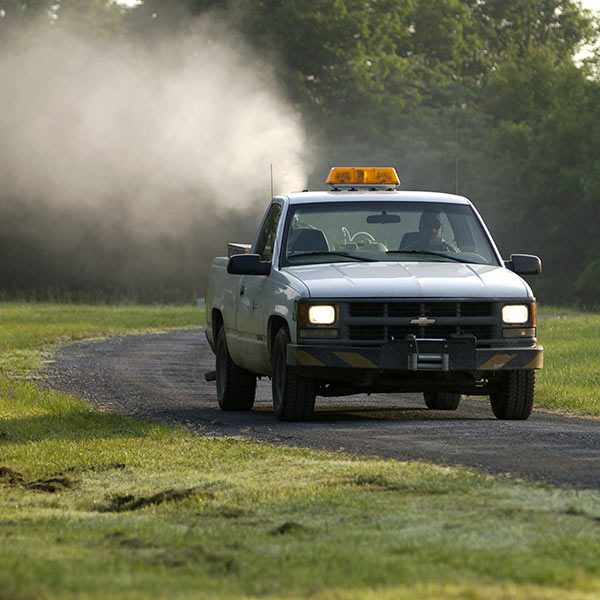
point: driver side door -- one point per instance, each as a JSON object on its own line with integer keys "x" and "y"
{"x": 254, "y": 299}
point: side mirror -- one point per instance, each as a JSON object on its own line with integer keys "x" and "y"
{"x": 247, "y": 264}
{"x": 524, "y": 264}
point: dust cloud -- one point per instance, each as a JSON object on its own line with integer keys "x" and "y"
{"x": 122, "y": 164}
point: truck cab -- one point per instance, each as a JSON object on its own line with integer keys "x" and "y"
{"x": 364, "y": 288}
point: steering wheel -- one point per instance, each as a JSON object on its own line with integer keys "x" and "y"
{"x": 364, "y": 234}
{"x": 347, "y": 236}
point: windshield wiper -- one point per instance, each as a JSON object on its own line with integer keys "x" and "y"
{"x": 431, "y": 253}
{"x": 329, "y": 252}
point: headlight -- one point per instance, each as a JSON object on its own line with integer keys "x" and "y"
{"x": 515, "y": 314}
{"x": 321, "y": 314}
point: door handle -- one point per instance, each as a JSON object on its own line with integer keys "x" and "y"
{"x": 242, "y": 290}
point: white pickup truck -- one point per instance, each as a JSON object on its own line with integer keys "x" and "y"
{"x": 363, "y": 289}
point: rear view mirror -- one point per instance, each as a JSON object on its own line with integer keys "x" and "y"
{"x": 384, "y": 218}
{"x": 248, "y": 264}
{"x": 524, "y": 264}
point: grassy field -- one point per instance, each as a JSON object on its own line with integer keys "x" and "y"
{"x": 29, "y": 331}
{"x": 570, "y": 380}
{"x": 95, "y": 506}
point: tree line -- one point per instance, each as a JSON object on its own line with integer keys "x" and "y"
{"x": 480, "y": 97}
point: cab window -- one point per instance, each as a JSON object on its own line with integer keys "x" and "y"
{"x": 266, "y": 237}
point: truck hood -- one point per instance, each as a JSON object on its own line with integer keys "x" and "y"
{"x": 409, "y": 279}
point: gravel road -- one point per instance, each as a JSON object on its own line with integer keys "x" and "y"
{"x": 161, "y": 377}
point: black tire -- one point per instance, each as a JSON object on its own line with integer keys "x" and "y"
{"x": 236, "y": 387}
{"x": 513, "y": 399}
{"x": 293, "y": 396}
{"x": 441, "y": 400}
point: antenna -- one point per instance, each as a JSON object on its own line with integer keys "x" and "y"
{"x": 271, "y": 180}
{"x": 455, "y": 149}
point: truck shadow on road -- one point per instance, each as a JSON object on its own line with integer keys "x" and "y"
{"x": 213, "y": 420}
{"x": 395, "y": 414}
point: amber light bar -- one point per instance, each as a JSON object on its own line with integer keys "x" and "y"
{"x": 363, "y": 176}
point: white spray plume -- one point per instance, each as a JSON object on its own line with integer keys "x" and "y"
{"x": 162, "y": 136}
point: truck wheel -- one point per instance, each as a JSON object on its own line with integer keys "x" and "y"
{"x": 236, "y": 387}
{"x": 441, "y": 400}
{"x": 514, "y": 397}
{"x": 293, "y": 396}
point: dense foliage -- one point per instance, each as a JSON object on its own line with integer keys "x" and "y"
{"x": 483, "y": 97}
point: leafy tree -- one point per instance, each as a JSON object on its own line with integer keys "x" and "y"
{"x": 92, "y": 16}
{"x": 17, "y": 11}
{"x": 553, "y": 154}
{"x": 476, "y": 96}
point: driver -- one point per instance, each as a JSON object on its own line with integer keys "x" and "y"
{"x": 430, "y": 234}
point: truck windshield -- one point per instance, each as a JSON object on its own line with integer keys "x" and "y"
{"x": 385, "y": 231}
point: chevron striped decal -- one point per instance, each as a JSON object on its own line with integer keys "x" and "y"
{"x": 354, "y": 359}
{"x": 497, "y": 361}
{"x": 308, "y": 360}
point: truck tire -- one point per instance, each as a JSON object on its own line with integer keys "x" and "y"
{"x": 441, "y": 400}
{"x": 236, "y": 387}
{"x": 293, "y": 396}
{"x": 513, "y": 399}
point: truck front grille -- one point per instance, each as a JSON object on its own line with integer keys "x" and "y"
{"x": 383, "y": 321}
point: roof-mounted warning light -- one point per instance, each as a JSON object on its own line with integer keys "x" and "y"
{"x": 373, "y": 178}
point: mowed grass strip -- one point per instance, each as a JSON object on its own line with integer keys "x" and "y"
{"x": 29, "y": 331}
{"x": 93, "y": 505}
{"x": 570, "y": 380}
{"x": 101, "y": 506}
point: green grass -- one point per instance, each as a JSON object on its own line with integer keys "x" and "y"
{"x": 253, "y": 520}
{"x": 141, "y": 510}
{"x": 570, "y": 380}
{"x": 30, "y": 331}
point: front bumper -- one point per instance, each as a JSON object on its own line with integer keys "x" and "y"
{"x": 416, "y": 355}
